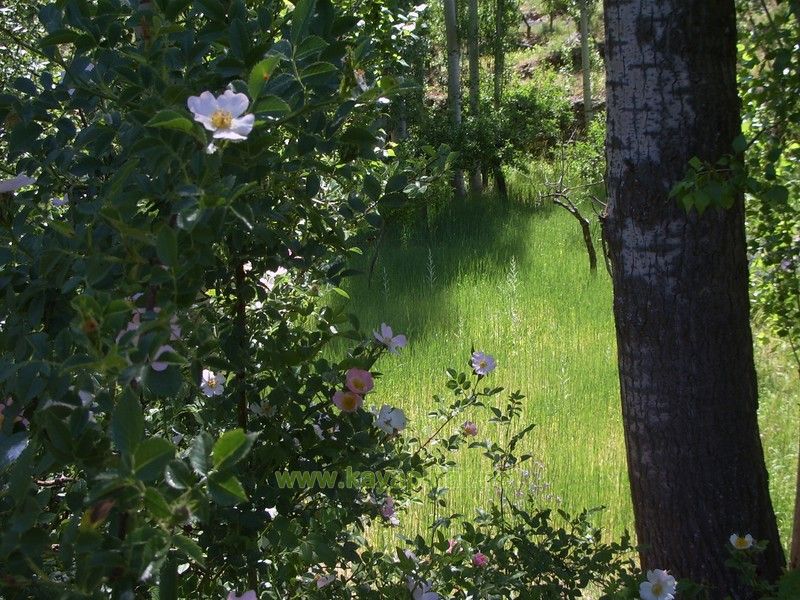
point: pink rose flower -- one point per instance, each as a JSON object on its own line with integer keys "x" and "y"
{"x": 359, "y": 381}
{"x": 479, "y": 559}
{"x": 387, "y": 337}
{"x": 388, "y": 512}
{"x": 469, "y": 428}
{"x": 483, "y": 363}
{"x": 347, "y": 401}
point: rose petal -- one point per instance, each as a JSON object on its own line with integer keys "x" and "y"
{"x": 228, "y": 134}
{"x": 243, "y": 125}
{"x": 205, "y": 104}
{"x": 234, "y": 103}
{"x": 205, "y": 121}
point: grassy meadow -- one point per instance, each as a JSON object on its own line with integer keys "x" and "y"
{"x": 512, "y": 279}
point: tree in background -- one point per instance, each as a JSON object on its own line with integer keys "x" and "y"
{"x": 687, "y": 377}
{"x": 586, "y": 63}
{"x": 475, "y": 180}
{"x": 769, "y": 80}
{"x": 454, "y": 81}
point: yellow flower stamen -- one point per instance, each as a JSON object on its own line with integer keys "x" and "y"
{"x": 657, "y": 589}
{"x": 741, "y": 543}
{"x": 221, "y": 119}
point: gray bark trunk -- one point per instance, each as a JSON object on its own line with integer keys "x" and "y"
{"x": 586, "y": 63}
{"x": 794, "y": 552}
{"x": 688, "y": 383}
{"x": 454, "y": 82}
{"x": 499, "y": 50}
{"x": 499, "y": 72}
{"x": 475, "y": 180}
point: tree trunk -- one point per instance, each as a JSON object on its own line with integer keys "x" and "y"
{"x": 688, "y": 384}
{"x": 454, "y": 82}
{"x": 586, "y": 63}
{"x": 500, "y": 181}
{"x": 499, "y": 49}
{"x": 475, "y": 180}
{"x": 499, "y": 72}
{"x": 794, "y": 554}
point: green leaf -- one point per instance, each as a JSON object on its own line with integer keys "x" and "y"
{"x": 316, "y": 69}
{"x": 151, "y": 457}
{"x": 167, "y": 246}
{"x": 190, "y": 548}
{"x": 687, "y": 200}
{"x": 200, "y": 453}
{"x": 127, "y": 424}
{"x": 178, "y": 475}
{"x": 225, "y": 489}
{"x": 789, "y": 586}
{"x": 231, "y": 447}
{"x": 777, "y": 194}
{"x": 164, "y": 383}
{"x": 259, "y": 75}
{"x": 739, "y": 144}
{"x": 214, "y": 9}
{"x": 311, "y": 45}
{"x": 156, "y": 504}
{"x": 170, "y": 119}
{"x": 11, "y": 446}
{"x": 66, "y": 36}
{"x": 702, "y": 200}
{"x": 301, "y": 17}
{"x": 696, "y": 163}
{"x": 272, "y": 103}
{"x": 358, "y": 135}
{"x": 168, "y": 580}
{"x": 396, "y": 183}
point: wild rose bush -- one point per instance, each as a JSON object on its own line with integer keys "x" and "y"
{"x": 186, "y": 183}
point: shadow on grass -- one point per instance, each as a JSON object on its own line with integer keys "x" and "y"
{"x": 418, "y": 264}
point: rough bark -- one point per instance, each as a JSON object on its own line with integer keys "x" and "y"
{"x": 454, "y": 82}
{"x": 475, "y": 180}
{"x": 499, "y": 72}
{"x": 500, "y": 181}
{"x": 794, "y": 553}
{"x": 688, "y": 383}
{"x": 499, "y": 49}
{"x": 586, "y": 66}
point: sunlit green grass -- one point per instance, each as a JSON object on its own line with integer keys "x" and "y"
{"x": 512, "y": 279}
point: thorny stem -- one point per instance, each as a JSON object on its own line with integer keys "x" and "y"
{"x": 241, "y": 327}
{"x": 442, "y": 426}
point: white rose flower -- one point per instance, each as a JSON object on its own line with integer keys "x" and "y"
{"x": 223, "y": 115}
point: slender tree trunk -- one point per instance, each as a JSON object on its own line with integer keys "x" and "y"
{"x": 499, "y": 49}
{"x": 454, "y": 82}
{"x": 499, "y": 72}
{"x": 586, "y": 63}
{"x": 500, "y": 181}
{"x": 400, "y": 129}
{"x": 475, "y": 180}
{"x": 688, "y": 384}
{"x": 794, "y": 554}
